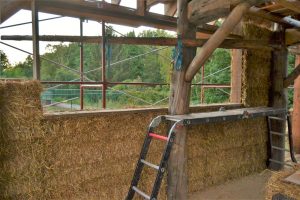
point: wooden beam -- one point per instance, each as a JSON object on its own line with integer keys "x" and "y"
{"x": 9, "y": 8}
{"x": 216, "y": 39}
{"x": 141, "y": 7}
{"x": 179, "y": 104}
{"x": 203, "y": 11}
{"x": 292, "y": 36}
{"x": 278, "y": 95}
{"x": 160, "y": 41}
{"x": 110, "y": 13}
{"x": 171, "y": 8}
{"x": 291, "y": 5}
{"x": 289, "y": 80}
{"x": 35, "y": 41}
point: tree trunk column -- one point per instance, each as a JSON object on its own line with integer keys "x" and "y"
{"x": 179, "y": 104}
{"x": 278, "y": 96}
{"x": 296, "y": 111}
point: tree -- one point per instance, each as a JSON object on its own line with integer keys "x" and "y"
{"x": 4, "y": 62}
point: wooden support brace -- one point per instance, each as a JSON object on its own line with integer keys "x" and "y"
{"x": 216, "y": 39}
{"x": 291, "y": 77}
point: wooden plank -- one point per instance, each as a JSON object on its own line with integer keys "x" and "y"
{"x": 179, "y": 104}
{"x": 216, "y": 39}
{"x": 289, "y": 80}
{"x": 159, "y": 41}
{"x": 35, "y": 41}
{"x": 236, "y": 75}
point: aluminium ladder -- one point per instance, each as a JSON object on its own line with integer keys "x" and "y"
{"x": 272, "y": 133}
{"x": 161, "y": 168}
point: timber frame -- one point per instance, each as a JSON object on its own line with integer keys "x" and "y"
{"x": 195, "y": 22}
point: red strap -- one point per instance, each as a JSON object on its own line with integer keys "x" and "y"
{"x": 159, "y": 137}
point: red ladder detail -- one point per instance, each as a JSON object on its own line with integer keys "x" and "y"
{"x": 159, "y": 137}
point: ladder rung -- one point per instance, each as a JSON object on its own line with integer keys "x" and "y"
{"x": 140, "y": 193}
{"x": 279, "y": 162}
{"x": 159, "y": 137}
{"x": 280, "y": 149}
{"x": 277, "y": 133}
{"x": 277, "y": 118}
{"x": 150, "y": 164}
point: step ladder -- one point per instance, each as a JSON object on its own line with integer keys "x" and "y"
{"x": 272, "y": 133}
{"x": 161, "y": 168}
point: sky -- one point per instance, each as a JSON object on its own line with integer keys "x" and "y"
{"x": 61, "y": 26}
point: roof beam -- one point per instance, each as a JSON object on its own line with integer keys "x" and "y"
{"x": 99, "y": 11}
{"x": 204, "y": 11}
{"x": 162, "y": 41}
{"x": 9, "y": 8}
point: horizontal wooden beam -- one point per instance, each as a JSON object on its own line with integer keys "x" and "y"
{"x": 227, "y": 44}
{"x": 102, "y": 11}
{"x": 291, "y": 77}
{"x": 292, "y": 36}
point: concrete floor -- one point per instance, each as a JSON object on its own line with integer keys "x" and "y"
{"x": 247, "y": 188}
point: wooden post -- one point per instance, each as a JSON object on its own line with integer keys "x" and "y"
{"x": 278, "y": 95}
{"x": 103, "y": 67}
{"x": 81, "y": 65}
{"x": 179, "y": 104}
{"x": 236, "y": 75}
{"x": 35, "y": 41}
{"x": 296, "y": 111}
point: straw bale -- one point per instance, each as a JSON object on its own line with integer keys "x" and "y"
{"x": 276, "y": 184}
{"x": 21, "y": 154}
{"x": 256, "y": 67}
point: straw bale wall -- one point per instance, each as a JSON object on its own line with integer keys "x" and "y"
{"x": 92, "y": 155}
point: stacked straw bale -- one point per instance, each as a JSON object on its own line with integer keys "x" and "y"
{"x": 256, "y": 67}
{"x": 21, "y": 148}
{"x": 276, "y": 185}
{"x": 224, "y": 151}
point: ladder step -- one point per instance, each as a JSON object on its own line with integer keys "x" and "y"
{"x": 279, "y": 162}
{"x": 277, "y": 118}
{"x": 277, "y": 133}
{"x": 159, "y": 137}
{"x": 140, "y": 193}
{"x": 280, "y": 149}
{"x": 150, "y": 164}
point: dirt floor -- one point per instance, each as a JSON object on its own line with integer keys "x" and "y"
{"x": 247, "y": 188}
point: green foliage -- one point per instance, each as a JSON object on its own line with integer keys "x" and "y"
{"x": 128, "y": 63}
{"x": 4, "y": 62}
